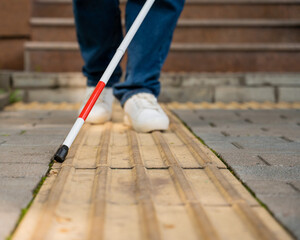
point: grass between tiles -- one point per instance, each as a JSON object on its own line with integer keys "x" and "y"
{"x": 233, "y": 173}
{"x": 34, "y": 194}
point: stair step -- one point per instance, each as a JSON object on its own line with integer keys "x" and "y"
{"x": 199, "y": 9}
{"x": 189, "y": 31}
{"x": 65, "y": 57}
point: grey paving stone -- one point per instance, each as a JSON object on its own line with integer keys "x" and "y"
{"x": 295, "y": 185}
{"x": 276, "y": 116}
{"x": 215, "y": 114}
{"x": 8, "y": 220}
{"x": 29, "y": 140}
{"x": 230, "y": 130}
{"x": 71, "y": 80}
{"x": 16, "y": 170}
{"x": 4, "y": 100}
{"x": 67, "y": 116}
{"x": 276, "y": 173}
{"x": 194, "y": 94}
{"x": 17, "y": 192}
{"x": 34, "y": 80}
{"x": 243, "y": 94}
{"x": 271, "y": 188}
{"x": 48, "y": 129}
{"x": 273, "y": 79}
{"x": 38, "y": 117}
{"x": 6, "y": 132}
{"x": 37, "y": 80}
{"x": 207, "y": 121}
{"x": 241, "y": 159}
{"x": 210, "y": 137}
{"x": 287, "y": 133}
{"x": 5, "y": 77}
{"x": 56, "y": 95}
{"x": 225, "y": 147}
{"x": 264, "y": 142}
{"x": 200, "y": 79}
{"x": 211, "y": 79}
{"x": 291, "y": 114}
{"x": 189, "y": 116}
{"x": 26, "y": 154}
{"x": 286, "y": 209}
{"x": 24, "y": 114}
{"x": 282, "y": 159}
{"x": 289, "y": 94}
{"x": 21, "y": 118}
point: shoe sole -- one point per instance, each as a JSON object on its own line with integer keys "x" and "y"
{"x": 128, "y": 122}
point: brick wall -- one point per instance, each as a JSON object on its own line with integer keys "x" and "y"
{"x": 14, "y": 31}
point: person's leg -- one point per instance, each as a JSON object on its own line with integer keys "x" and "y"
{"x": 99, "y": 33}
{"x": 149, "y": 48}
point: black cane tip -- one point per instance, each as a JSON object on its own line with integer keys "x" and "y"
{"x": 61, "y": 153}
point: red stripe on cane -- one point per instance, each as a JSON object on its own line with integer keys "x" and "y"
{"x": 92, "y": 100}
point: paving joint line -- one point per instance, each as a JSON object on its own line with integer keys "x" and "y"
{"x": 286, "y": 139}
{"x": 225, "y": 134}
{"x": 293, "y": 187}
{"x": 237, "y": 145}
{"x": 263, "y": 160}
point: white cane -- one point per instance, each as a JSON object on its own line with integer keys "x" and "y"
{"x": 62, "y": 152}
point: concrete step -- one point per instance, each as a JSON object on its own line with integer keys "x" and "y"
{"x": 4, "y": 99}
{"x": 180, "y": 87}
{"x": 188, "y": 30}
{"x": 196, "y": 9}
{"x": 65, "y": 57}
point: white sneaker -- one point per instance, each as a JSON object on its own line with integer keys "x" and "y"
{"x": 144, "y": 114}
{"x": 102, "y": 110}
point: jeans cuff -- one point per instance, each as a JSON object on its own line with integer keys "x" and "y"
{"x": 129, "y": 94}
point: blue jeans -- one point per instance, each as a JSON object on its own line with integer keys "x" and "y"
{"x": 99, "y": 33}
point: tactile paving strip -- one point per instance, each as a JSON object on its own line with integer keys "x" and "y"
{"x": 119, "y": 184}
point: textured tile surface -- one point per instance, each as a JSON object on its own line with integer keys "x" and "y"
{"x": 119, "y": 184}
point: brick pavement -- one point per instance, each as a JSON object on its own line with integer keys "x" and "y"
{"x": 263, "y": 149}
{"x": 29, "y": 138}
